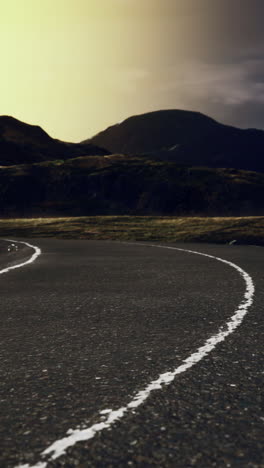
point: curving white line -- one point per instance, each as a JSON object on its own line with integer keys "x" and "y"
{"x": 58, "y": 448}
{"x": 35, "y": 255}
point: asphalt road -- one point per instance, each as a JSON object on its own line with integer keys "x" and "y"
{"x": 89, "y": 324}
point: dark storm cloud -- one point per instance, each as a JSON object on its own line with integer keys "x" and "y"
{"x": 219, "y": 66}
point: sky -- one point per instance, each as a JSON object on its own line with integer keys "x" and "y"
{"x": 74, "y": 67}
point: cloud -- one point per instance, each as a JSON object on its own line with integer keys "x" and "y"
{"x": 231, "y": 93}
{"x": 229, "y": 84}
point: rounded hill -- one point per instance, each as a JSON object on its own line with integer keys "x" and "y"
{"x": 187, "y": 138}
{"x": 154, "y": 131}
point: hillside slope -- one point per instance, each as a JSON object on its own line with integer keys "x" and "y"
{"x": 188, "y": 138}
{"x": 124, "y": 185}
{"x": 23, "y": 143}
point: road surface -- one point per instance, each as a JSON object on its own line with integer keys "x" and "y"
{"x": 89, "y": 325}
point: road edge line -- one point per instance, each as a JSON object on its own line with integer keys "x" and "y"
{"x": 59, "y": 447}
{"x": 36, "y": 254}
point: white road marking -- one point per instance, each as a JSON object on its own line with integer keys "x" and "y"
{"x": 59, "y": 447}
{"x": 35, "y": 255}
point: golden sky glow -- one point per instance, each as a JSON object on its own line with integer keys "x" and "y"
{"x": 68, "y": 64}
{"x": 77, "y": 66}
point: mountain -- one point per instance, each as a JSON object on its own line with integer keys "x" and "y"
{"x": 159, "y": 172}
{"x": 187, "y": 138}
{"x": 23, "y": 143}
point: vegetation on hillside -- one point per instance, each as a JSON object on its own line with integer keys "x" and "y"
{"x": 115, "y": 184}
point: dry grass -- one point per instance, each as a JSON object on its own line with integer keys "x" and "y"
{"x": 245, "y": 230}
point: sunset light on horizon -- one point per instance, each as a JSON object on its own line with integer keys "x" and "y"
{"x": 75, "y": 67}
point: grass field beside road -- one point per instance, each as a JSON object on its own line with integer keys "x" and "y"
{"x": 244, "y": 230}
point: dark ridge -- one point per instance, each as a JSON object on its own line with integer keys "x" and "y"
{"x": 22, "y": 143}
{"x": 14, "y": 130}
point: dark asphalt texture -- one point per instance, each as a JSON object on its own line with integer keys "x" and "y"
{"x": 90, "y": 323}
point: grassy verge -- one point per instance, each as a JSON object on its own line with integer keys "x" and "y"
{"x": 245, "y": 230}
